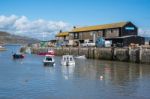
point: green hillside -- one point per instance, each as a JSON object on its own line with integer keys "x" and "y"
{"x": 15, "y": 39}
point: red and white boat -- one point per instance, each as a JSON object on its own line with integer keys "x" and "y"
{"x": 49, "y": 52}
{"x": 49, "y": 60}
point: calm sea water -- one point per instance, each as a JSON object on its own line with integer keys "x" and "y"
{"x": 89, "y": 79}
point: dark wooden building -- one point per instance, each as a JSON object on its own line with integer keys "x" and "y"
{"x": 123, "y": 33}
{"x": 127, "y": 40}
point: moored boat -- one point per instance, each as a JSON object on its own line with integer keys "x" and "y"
{"x": 80, "y": 57}
{"x": 18, "y": 56}
{"x": 2, "y": 48}
{"x": 49, "y": 52}
{"x": 68, "y": 60}
{"x": 49, "y": 60}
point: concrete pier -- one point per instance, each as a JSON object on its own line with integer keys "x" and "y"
{"x": 145, "y": 56}
{"x": 135, "y": 55}
{"x": 121, "y": 54}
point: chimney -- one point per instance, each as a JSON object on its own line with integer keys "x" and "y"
{"x": 74, "y": 27}
{"x": 60, "y": 31}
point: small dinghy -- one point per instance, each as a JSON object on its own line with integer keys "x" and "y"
{"x": 18, "y": 56}
{"x": 49, "y": 60}
{"x": 2, "y": 48}
{"x": 80, "y": 57}
{"x": 68, "y": 60}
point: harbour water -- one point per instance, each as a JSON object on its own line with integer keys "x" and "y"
{"x": 89, "y": 79}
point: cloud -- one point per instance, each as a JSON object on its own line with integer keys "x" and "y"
{"x": 39, "y": 28}
{"x": 144, "y": 32}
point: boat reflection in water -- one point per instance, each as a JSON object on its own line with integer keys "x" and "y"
{"x": 68, "y": 71}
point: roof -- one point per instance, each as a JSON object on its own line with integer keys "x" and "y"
{"x": 62, "y": 34}
{"x": 99, "y": 27}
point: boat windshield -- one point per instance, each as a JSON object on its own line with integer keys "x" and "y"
{"x": 49, "y": 59}
{"x": 71, "y": 59}
{"x": 68, "y": 58}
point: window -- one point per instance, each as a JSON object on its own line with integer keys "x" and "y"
{"x": 49, "y": 59}
{"x": 76, "y": 35}
{"x": 64, "y": 59}
{"x": 71, "y": 34}
{"x": 91, "y": 33}
{"x": 115, "y": 30}
{"x": 100, "y": 33}
{"x": 70, "y": 59}
{"x": 108, "y": 31}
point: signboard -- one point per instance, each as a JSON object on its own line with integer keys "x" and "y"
{"x": 129, "y": 28}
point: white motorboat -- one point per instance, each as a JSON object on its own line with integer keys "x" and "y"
{"x": 81, "y": 57}
{"x": 49, "y": 60}
{"x": 28, "y": 50}
{"x": 68, "y": 60}
{"x": 2, "y": 48}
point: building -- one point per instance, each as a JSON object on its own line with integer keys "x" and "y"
{"x": 120, "y": 34}
{"x": 126, "y": 40}
{"x": 62, "y": 38}
{"x": 123, "y": 33}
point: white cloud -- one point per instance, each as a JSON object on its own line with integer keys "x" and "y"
{"x": 144, "y": 32}
{"x": 21, "y": 25}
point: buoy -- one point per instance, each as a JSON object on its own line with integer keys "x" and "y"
{"x": 101, "y": 77}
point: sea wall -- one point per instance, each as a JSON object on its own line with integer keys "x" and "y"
{"x": 145, "y": 56}
{"x": 135, "y": 55}
{"x": 121, "y": 54}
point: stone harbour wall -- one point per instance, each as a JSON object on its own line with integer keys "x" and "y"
{"x": 135, "y": 55}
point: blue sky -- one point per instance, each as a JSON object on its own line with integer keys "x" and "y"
{"x": 81, "y": 12}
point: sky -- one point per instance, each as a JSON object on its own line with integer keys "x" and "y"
{"x": 42, "y": 19}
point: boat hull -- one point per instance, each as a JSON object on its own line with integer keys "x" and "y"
{"x": 15, "y": 56}
{"x": 67, "y": 60}
{"x": 68, "y": 63}
{"x": 49, "y": 63}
